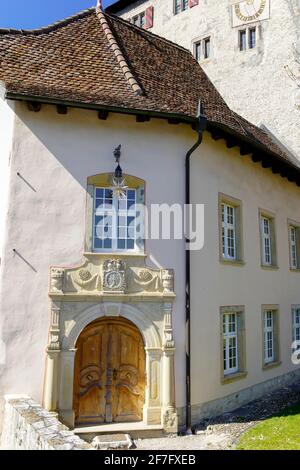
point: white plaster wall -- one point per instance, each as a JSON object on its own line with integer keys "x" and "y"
{"x": 254, "y": 83}
{"x": 216, "y": 169}
{"x": 6, "y": 133}
{"x": 55, "y": 154}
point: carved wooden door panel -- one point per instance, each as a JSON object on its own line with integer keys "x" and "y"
{"x": 89, "y": 375}
{"x": 128, "y": 374}
{"x": 109, "y": 381}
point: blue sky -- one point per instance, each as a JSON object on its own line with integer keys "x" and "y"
{"x": 28, "y": 14}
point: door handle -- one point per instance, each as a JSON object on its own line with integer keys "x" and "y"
{"x": 115, "y": 374}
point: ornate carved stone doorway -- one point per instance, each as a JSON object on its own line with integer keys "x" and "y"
{"x": 89, "y": 293}
{"x": 109, "y": 373}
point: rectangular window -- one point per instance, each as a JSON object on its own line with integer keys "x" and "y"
{"x": 228, "y": 232}
{"x": 197, "y": 50}
{"x": 266, "y": 233}
{"x": 296, "y": 326}
{"x": 180, "y": 5}
{"x": 206, "y": 48}
{"x": 252, "y": 38}
{"x": 269, "y": 336}
{"x": 202, "y": 49}
{"x": 177, "y": 6}
{"x": 243, "y": 40}
{"x": 294, "y": 246}
{"x": 230, "y": 343}
{"x": 142, "y": 20}
{"x": 230, "y": 229}
{"x": 139, "y": 20}
{"x": 114, "y": 220}
{"x": 268, "y": 241}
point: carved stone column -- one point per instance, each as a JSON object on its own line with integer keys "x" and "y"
{"x": 152, "y": 407}
{"x": 52, "y": 361}
{"x": 66, "y": 388}
{"x": 169, "y": 415}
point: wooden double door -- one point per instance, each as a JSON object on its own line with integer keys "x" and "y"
{"x": 109, "y": 374}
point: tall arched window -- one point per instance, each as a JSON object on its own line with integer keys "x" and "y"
{"x": 115, "y": 220}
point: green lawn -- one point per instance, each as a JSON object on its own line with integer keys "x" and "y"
{"x": 281, "y": 432}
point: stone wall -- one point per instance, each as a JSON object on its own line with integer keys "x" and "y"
{"x": 27, "y": 426}
{"x": 258, "y": 83}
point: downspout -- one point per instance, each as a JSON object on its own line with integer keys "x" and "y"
{"x": 201, "y": 126}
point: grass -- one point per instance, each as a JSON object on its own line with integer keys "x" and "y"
{"x": 281, "y": 432}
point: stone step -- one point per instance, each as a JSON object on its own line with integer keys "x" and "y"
{"x": 134, "y": 430}
{"x": 112, "y": 442}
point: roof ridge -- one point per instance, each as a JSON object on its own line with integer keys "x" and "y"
{"x": 145, "y": 32}
{"x": 113, "y": 44}
{"x": 51, "y": 27}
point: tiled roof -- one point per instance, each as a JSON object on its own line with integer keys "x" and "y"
{"x": 78, "y": 60}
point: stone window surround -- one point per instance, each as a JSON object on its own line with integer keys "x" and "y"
{"x": 272, "y": 216}
{"x": 277, "y": 361}
{"x": 237, "y": 203}
{"x": 247, "y": 27}
{"x": 296, "y": 225}
{"x": 242, "y": 372}
{"x": 200, "y": 39}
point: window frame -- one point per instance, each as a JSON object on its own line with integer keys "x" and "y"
{"x": 267, "y": 215}
{"x": 295, "y": 325}
{"x": 239, "y": 371}
{"x": 238, "y": 230}
{"x": 114, "y": 212}
{"x": 201, "y": 42}
{"x": 247, "y": 43}
{"x": 104, "y": 180}
{"x": 184, "y": 6}
{"x": 296, "y": 226}
{"x": 274, "y": 361}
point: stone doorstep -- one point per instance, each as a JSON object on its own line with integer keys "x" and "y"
{"x": 112, "y": 441}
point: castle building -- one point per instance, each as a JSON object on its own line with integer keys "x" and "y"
{"x": 102, "y": 122}
{"x": 249, "y": 49}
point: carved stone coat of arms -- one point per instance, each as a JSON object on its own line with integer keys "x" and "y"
{"x": 114, "y": 276}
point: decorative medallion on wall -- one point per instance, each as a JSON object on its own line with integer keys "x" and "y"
{"x": 114, "y": 275}
{"x": 248, "y": 11}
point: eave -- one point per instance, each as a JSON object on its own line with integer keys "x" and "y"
{"x": 248, "y": 147}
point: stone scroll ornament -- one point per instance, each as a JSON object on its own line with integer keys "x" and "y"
{"x": 114, "y": 276}
{"x": 87, "y": 281}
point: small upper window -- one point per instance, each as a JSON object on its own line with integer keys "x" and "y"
{"x": 180, "y": 5}
{"x": 202, "y": 49}
{"x": 247, "y": 38}
{"x": 243, "y": 40}
{"x": 252, "y": 38}
{"x": 228, "y": 231}
{"x": 139, "y": 20}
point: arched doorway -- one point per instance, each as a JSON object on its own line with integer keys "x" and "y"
{"x": 109, "y": 373}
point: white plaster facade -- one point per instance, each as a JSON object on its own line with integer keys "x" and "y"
{"x": 55, "y": 154}
{"x": 255, "y": 83}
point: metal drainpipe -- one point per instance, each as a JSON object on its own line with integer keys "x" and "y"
{"x": 201, "y": 126}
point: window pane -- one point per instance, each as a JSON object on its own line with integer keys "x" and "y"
{"x": 197, "y": 51}
{"x": 177, "y": 6}
{"x": 99, "y": 192}
{"x": 242, "y": 40}
{"x": 206, "y": 48}
{"x": 252, "y": 38}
